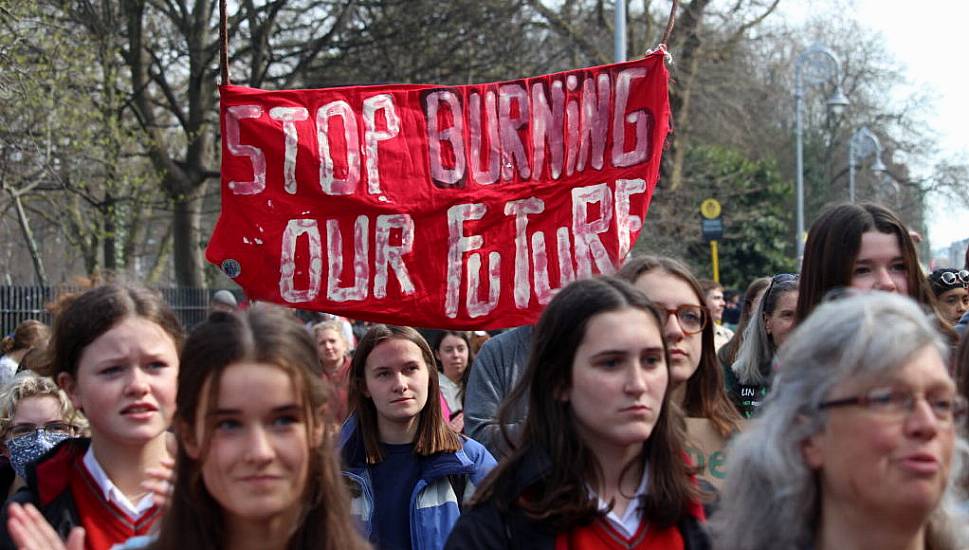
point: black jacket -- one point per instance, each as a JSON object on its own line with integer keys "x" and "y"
{"x": 58, "y": 506}
{"x": 483, "y": 527}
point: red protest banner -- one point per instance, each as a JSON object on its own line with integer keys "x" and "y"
{"x": 461, "y": 206}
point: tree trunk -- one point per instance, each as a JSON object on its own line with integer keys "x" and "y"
{"x": 186, "y": 231}
{"x": 110, "y": 243}
{"x": 161, "y": 260}
{"x": 31, "y": 243}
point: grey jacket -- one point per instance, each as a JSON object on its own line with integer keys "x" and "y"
{"x": 498, "y": 367}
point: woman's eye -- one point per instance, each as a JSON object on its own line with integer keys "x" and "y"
{"x": 943, "y": 404}
{"x": 286, "y": 421}
{"x": 610, "y": 363}
{"x": 652, "y": 360}
{"x": 227, "y": 425}
{"x": 111, "y": 371}
{"x": 861, "y": 270}
{"x": 157, "y": 365}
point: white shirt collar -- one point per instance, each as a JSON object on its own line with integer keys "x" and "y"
{"x": 111, "y": 492}
{"x": 628, "y": 524}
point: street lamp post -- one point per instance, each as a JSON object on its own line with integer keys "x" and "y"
{"x": 619, "y": 52}
{"x": 825, "y": 65}
{"x": 863, "y": 143}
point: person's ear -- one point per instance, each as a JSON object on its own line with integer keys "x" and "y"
{"x": 189, "y": 441}
{"x": 812, "y": 451}
{"x": 68, "y": 383}
{"x": 562, "y": 394}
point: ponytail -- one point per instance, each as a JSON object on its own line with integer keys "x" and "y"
{"x": 7, "y": 344}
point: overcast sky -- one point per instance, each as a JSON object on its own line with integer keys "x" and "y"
{"x": 930, "y": 39}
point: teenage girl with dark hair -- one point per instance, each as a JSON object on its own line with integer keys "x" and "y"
{"x": 867, "y": 247}
{"x": 409, "y": 472}
{"x": 695, "y": 374}
{"x": 255, "y": 469}
{"x": 114, "y": 351}
{"x": 600, "y": 462}
{"x": 452, "y": 349}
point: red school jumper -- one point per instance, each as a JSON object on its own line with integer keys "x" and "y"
{"x": 601, "y": 535}
{"x": 105, "y": 524}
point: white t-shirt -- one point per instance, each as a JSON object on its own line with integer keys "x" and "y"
{"x": 450, "y": 391}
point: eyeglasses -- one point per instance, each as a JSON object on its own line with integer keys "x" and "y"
{"x": 781, "y": 278}
{"x": 20, "y": 430}
{"x": 894, "y": 403}
{"x": 950, "y": 277}
{"x": 692, "y": 319}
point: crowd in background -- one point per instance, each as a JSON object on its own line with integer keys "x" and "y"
{"x": 817, "y": 410}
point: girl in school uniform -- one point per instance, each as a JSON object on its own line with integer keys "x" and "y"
{"x": 114, "y": 351}
{"x": 600, "y": 464}
{"x": 254, "y": 468}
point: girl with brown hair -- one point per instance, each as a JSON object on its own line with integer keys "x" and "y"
{"x": 599, "y": 463}
{"x": 254, "y": 469}
{"x": 397, "y": 447}
{"x": 863, "y": 246}
{"x": 453, "y": 350}
{"x": 114, "y": 352}
{"x": 695, "y": 375}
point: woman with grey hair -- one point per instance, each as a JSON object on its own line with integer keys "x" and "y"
{"x": 854, "y": 447}
{"x": 748, "y": 379}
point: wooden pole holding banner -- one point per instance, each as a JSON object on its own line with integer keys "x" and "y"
{"x": 224, "y": 43}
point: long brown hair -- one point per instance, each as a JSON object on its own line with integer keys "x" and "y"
{"x": 705, "y": 396}
{"x": 433, "y": 435}
{"x": 561, "y": 497}
{"x": 263, "y": 334}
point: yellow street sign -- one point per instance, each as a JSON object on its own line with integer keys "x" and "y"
{"x": 710, "y": 208}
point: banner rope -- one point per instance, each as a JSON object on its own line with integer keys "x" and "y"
{"x": 224, "y": 43}
{"x": 664, "y": 41}
{"x": 669, "y": 25}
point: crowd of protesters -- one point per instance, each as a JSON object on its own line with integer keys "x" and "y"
{"x": 838, "y": 402}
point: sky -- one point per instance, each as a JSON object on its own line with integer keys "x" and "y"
{"x": 930, "y": 40}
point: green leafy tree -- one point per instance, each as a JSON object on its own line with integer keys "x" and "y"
{"x": 756, "y": 214}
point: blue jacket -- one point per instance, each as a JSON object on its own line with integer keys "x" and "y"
{"x": 433, "y": 504}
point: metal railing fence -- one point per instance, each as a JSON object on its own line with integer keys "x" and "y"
{"x": 19, "y": 303}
